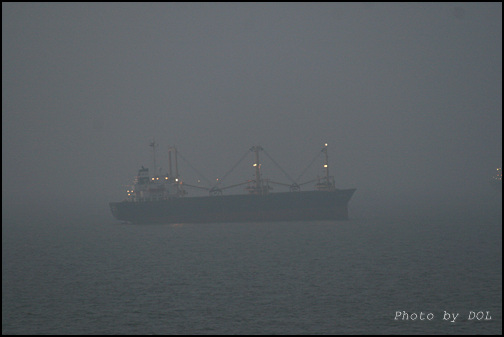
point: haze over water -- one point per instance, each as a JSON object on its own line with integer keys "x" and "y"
{"x": 407, "y": 95}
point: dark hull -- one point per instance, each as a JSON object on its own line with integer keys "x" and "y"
{"x": 288, "y": 206}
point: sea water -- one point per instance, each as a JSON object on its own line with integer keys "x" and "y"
{"x": 362, "y": 276}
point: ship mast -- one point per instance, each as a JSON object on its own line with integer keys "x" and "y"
{"x": 170, "y": 173}
{"x": 154, "y": 145}
{"x": 175, "y": 178}
{"x": 258, "y": 187}
{"x": 328, "y": 182}
{"x": 326, "y": 162}
{"x": 257, "y": 166}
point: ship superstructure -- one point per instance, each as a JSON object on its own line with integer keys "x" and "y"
{"x": 155, "y": 187}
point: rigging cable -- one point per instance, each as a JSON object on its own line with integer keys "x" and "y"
{"x": 281, "y": 169}
{"x": 235, "y": 165}
{"x": 195, "y": 170}
{"x": 306, "y": 169}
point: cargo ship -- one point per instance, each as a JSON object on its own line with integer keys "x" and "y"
{"x": 164, "y": 198}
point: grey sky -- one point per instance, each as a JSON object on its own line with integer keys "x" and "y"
{"x": 408, "y": 95}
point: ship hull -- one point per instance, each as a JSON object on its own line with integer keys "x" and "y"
{"x": 287, "y": 206}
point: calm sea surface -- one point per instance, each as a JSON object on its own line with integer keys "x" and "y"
{"x": 70, "y": 277}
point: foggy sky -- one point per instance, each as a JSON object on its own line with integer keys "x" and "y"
{"x": 407, "y": 95}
